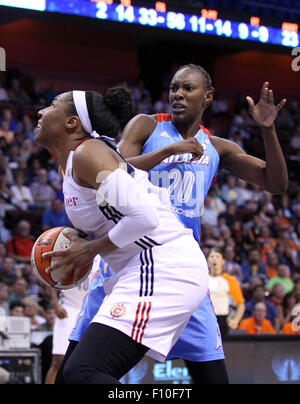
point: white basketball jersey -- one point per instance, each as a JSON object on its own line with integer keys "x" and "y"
{"x": 85, "y": 214}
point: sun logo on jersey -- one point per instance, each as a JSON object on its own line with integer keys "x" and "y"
{"x": 118, "y": 311}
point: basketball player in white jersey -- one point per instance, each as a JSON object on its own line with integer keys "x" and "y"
{"x": 67, "y": 304}
{"x": 161, "y": 273}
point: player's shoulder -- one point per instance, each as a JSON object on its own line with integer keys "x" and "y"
{"x": 147, "y": 121}
{"x": 140, "y": 127}
{"x": 86, "y": 150}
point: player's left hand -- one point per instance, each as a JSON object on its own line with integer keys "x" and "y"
{"x": 265, "y": 111}
{"x": 74, "y": 258}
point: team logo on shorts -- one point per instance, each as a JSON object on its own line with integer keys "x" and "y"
{"x": 118, "y": 310}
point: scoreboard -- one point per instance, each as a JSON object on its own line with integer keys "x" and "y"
{"x": 204, "y": 22}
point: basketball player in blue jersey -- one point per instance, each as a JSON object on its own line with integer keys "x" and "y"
{"x": 170, "y": 148}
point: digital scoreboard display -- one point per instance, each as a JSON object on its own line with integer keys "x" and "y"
{"x": 207, "y": 23}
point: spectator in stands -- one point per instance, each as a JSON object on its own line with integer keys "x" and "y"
{"x": 286, "y": 207}
{"x": 257, "y": 193}
{"x": 3, "y": 251}
{"x": 259, "y": 296}
{"x": 257, "y": 323}
{"x": 295, "y": 235}
{"x": 230, "y": 214}
{"x": 49, "y": 320}
{"x": 26, "y": 128}
{"x": 45, "y": 296}
{"x": 231, "y": 266}
{"x": 139, "y": 93}
{"x": 43, "y": 194}
{"x": 33, "y": 286}
{"x": 243, "y": 190}
{"x": 5, "y": 235}
{"x": 18, "y": 290}
{"x": 6, "y": 134}
{"x": 290, "y": 247}
{"x": 8, "y": 117}
{"x": 210, "y": 213}
{"x": 34, "y": 166}
{"x": 283, "y": 278}
{"x": 296, "y": 291}
{"x": 282, "y": 224}
{"x": 55, "y": 217}
{"x": 32, "y": 312}
{"x": 208, "y": 239}
{"x": 16, "y": 308}
{"x": 286, "y": 308}
{"x": 144, "y": 105}
{"x": 272, "y": 265}
{"x": 230, "y": 191}
{"x": 295, "y": 139}
{"x": 26, "y": 149}
{"x": 276, "y": 296}
{"x": 254, "y": 267}
{"x": 162, "y": 105}
{"x": 4, "y": 293}
{"x": 9, "y": 272}
{"x": 20, "y": 246}
{"x": 296, "y": 215}
{"x": 241, "y": 122}
{"x": 5, "y": 194}
{"x": 283, "y": 254}
{"x": 16, "y": 93}
{"x": 3, "y": 92}
{"x": 267, "y": 242}
{"x": 9, "y": 179}
{"x": 253, "y": 228}
{"x": 22, "y": 196}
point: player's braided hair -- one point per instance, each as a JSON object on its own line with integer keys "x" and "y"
{"x": 108, "y": 113}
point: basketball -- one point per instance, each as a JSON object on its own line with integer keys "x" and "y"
{"x": 50, "y": 241}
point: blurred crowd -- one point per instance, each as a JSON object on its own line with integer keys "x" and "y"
{"x": 259, "y": 233}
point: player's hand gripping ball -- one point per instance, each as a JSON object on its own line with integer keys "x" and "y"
{"x": 50, "y": 241}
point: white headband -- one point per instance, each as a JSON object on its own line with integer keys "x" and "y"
{"x": 83, "y": 113}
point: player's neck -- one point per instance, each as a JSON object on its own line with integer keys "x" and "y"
{"x": 187, "y": 130}
{"x": 62, "y": 155}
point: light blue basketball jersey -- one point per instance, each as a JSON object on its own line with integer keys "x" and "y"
{"x": 201, "y": 340}
{"x": 92, "y": 301}
{"x": 188, "y": 184}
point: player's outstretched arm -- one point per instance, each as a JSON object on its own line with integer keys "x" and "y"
{"x": 270, "y": 174}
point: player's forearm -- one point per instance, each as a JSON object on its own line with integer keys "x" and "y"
{"x": 54, "y": 298}
{"x": 276, "y": 171}
{"x": 101, "y": 245}
{"x": 149, "y": 160}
